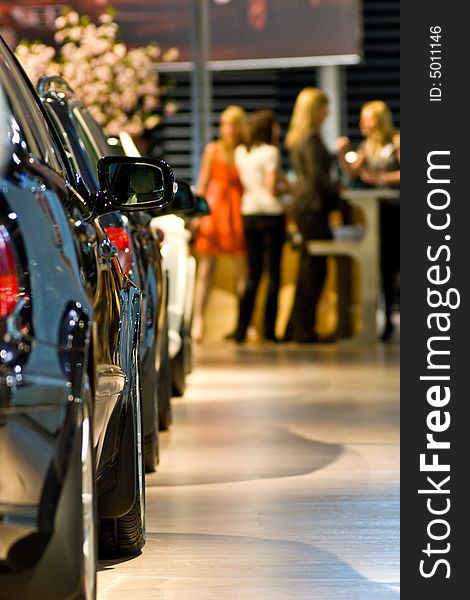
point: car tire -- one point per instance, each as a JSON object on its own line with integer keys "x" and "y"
{"x": 164, "y": 385}
{"x": 125, "y": 536}
{"x": 89, "y": 514}
{"x": 181, "y": 364}
{"x": 178, "y": 376}
{"x": 151, "y": 444}
{"x": 188, "y": 359}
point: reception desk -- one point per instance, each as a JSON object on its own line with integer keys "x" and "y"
{"x": 366, "y": 254}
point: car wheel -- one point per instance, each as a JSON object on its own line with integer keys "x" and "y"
{"x": 181, "y": 365}
{"x": 89, "y": 537}
{"x": 178, "y": 375}
{"x": 164, "y": 385}
{"x": 124, "y": 536}
{"x": 151, "y": 442}
{"x": 188, "y": 359}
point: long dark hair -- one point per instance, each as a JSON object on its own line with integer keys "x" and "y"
{"x": 261, "y": 128}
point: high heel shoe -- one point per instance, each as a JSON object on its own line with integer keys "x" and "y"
{"x": 272, "y": 338}
{"x": 235, "y": 336}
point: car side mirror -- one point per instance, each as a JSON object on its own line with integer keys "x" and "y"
{"x": 202, "y": 208}
{"x": 129, "y": 184}
{"x": 183, "y": 203}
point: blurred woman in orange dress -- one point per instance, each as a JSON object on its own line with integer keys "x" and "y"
{"x": 221, "y": 232}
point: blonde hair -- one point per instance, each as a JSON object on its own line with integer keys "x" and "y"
{"x": 384, "y": 132}
{"x": 306, "y": 116}
{"x": 237, "y": 116}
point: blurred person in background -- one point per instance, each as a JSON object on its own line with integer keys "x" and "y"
{"x": 377, "y": 164}
{"x": 258, "y": 164}
{"x": 315, "y": 196}
{"x": 221, "y": 232}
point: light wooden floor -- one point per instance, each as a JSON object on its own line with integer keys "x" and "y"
{"x": 279, "y": 480}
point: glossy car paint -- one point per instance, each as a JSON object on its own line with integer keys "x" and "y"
{"x": 77, "y": 320}
{"x": 87, "y": 144}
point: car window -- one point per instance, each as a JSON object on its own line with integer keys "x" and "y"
{"x": 80, "y": 171}
{"x": 30, "y": 129}
{"x": 64, "y": 141}
{"x": 96, "y": 131}
{"x": 86, "y": 138}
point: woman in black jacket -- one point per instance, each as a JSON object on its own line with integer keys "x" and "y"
{"x": 315, "y": 197}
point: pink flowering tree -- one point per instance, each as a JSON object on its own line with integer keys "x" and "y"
{"x": 119, "y": 85}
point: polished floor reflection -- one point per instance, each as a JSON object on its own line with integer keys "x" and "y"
{"x": 278, "y": 480}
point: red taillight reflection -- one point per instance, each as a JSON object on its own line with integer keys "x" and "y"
{"x": 9, "y": 284}
{"x": 120, "y": 238}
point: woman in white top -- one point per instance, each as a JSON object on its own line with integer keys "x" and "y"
{"x": 258, "y": 165}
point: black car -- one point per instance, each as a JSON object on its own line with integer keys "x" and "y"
{"x": 70, "y": 411}
{"x": 86, "y": 144}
